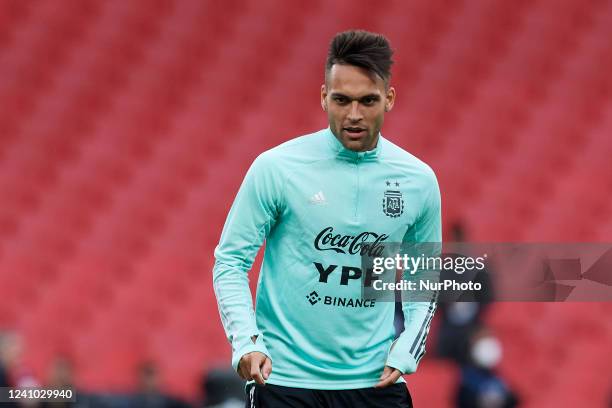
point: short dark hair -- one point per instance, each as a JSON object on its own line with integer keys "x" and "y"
{"x": 362, "y": 49}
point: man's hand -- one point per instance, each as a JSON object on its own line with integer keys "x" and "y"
{"x": 388, "y": 377}
{"x": 255, "y": 366}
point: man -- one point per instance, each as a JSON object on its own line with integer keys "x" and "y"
{"x": 316, "y": 200}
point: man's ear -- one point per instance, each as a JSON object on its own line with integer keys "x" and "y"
{"x": 324, "y": 97}
{"x": 390, "y": 100}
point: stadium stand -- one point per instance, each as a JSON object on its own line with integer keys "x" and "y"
{"x": 126, "y": 128}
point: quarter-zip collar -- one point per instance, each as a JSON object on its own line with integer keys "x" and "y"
{"x": 351, "y": 155}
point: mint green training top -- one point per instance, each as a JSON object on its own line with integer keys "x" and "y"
{"x": 318, "y": 205}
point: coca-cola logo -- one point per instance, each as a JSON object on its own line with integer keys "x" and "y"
{"x": 364, "y": 243}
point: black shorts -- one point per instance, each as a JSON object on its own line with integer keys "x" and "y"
{"x": 276, "y": 396}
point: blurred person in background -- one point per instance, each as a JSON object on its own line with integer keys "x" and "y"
{"x": 11, "y": 372}
{"x": 222, "y": 389}
{"x": 460, "y": 319}
{"x": 61, "y": 374}
{"x": 10, "y": 356}
{"x": 61, "y": 377}
{"x": 320, "y": 202}
{"x": 149, "y": 394}
{"x": 480, "y": 386}
{"x": 5, "y": 361}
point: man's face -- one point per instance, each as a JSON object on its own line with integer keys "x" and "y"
{"x": 355, "y": 103}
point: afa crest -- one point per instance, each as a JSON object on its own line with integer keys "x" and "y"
{"x": 393, "y": 202}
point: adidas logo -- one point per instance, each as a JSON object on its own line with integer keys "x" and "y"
{"x": 318, "y": 198}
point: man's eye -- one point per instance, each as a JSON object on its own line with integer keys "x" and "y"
{"x": 340, "y": 100}
{"x": 369, "y": 101}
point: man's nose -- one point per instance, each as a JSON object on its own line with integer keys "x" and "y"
{"x": 354, "y": 113}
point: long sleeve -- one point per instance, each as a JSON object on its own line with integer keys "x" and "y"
{"x": 256, "y": 208}
{"x": 409, "y": 348}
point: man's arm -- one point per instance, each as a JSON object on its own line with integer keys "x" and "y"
{"x": 409, "y": 348}
{"x": 255, "y": 209}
